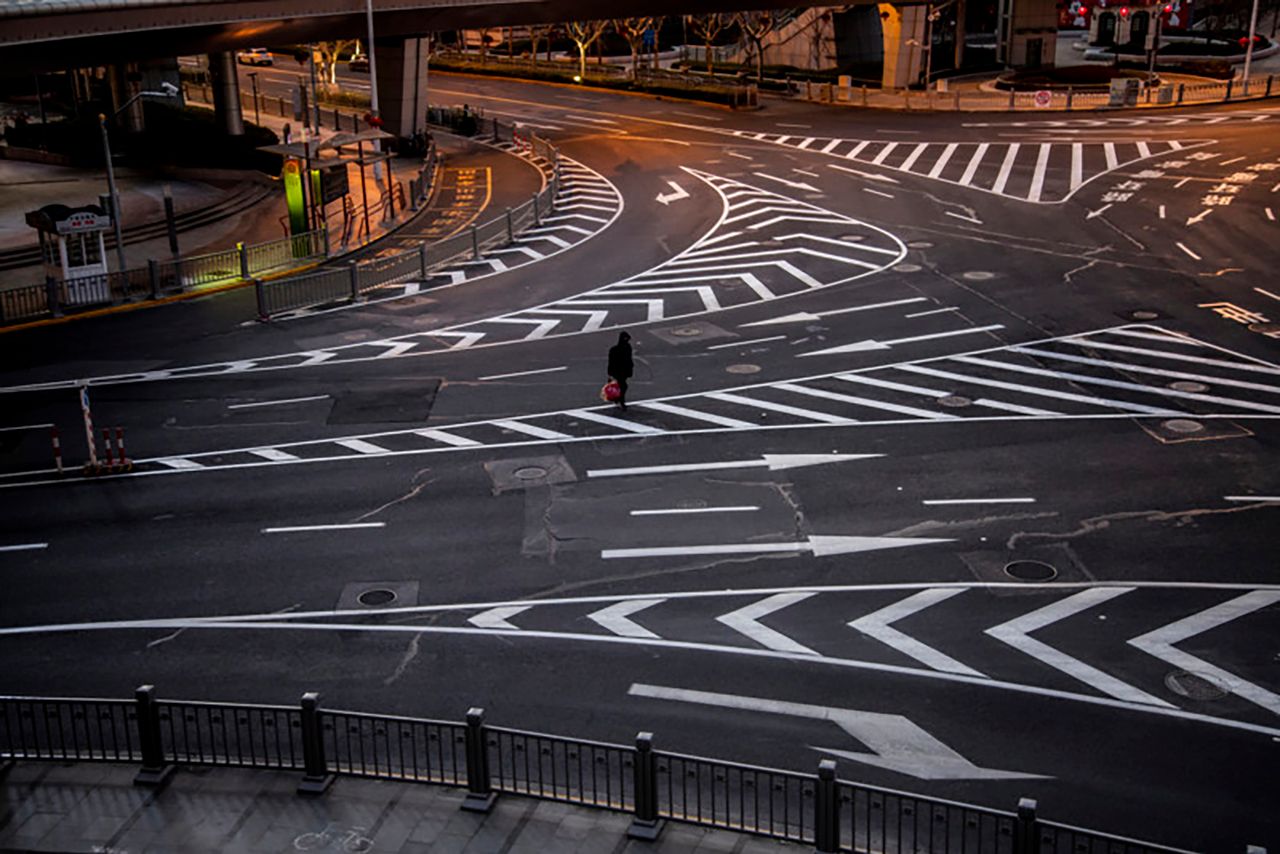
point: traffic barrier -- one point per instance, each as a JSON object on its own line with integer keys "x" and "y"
{"x": 124, "y": 463}
{"x": 106, "y": 447}
{"x": 57, "y": 448}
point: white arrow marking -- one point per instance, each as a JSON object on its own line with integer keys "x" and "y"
{"x": 745, "y": 620}
{"x": 616, "y": 618}
{"x": 877, "y": 625}
{"x": 871, "y": 344}
{"x": 1198, "y": 217}
{"x": 316, "y": 357}
{"x": 973, "y": 219}
{"x": 466, "y": 339}
{"x": 678, "y": 194}
{"x": 496, "y": 618}
{"x": 821, "y": 546}
{"x": 811, "y": 316}
{"x": 1160, "y": 643}
{"x": 898, "y": 744}
{"x": 1016, "y": 634}
{"x": 773, "y": 462}
{"x": 796, "y": 184}
{"x": 1098, "y": 212}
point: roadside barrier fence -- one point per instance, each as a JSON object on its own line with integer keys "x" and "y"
{"x": 654, "y": 786}
{"x": 350, "y": 283}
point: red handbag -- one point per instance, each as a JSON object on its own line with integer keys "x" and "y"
{"x": 611, "y": 392}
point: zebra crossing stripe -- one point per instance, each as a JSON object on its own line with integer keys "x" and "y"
{"x": 807, "y": 414}
{"x": 275, "y": 455}
{"x": 360, "y": 446}
{"x": 1109, "y": 149}
{"x": 1013, "y": 407}
{"x": 949, "y": 150}
{"x": 972, "y": 168}
{"x": 610, "y": 421}
{"x": 180, "y": 463}
{"x": 447, "y": 438}
{"x": 1143, "y": 150}
{"x": 1037, "y": 179}
{"x": 1010, "y": 155}
{"x": 531, "y": 430}
{"x": 1164, "y": 354}
{"x": 913, "y": 156}
{"x": 826, "y": 149}
{"x": 863, "y": 401}
{"x": 884, "y": 153}
{"x": 672, "y": 408}
{"x": 1142, "y": 369}
{"x": 1077, "y": 164}
{"x": 1032, "y": 390}
{"x": 856, "y": 149}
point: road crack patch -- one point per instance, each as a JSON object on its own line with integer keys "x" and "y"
{"x": 1181, "y": 518}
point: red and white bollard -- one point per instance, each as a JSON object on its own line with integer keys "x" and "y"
{"x": 124, "y": 460}
{"x": 57, "y": 449}
{"x": 106, "y": 447}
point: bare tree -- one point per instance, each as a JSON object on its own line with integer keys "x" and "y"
{"x": 707, "y": 27}
{"x": 756, "y": 27}
{"x": 633, "y": 30}
{"x": 329, "y": 53}
{"x": 584, "y": 35}
{"x": 536, "y": 33}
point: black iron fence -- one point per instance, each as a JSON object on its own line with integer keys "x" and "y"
{"x": 653, "y": 786}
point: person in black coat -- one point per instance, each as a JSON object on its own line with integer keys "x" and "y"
{"x": 621, "y": 367}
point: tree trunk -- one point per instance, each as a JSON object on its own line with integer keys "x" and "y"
{"x": 582, "y": 60}
{"x": 708, "y": 46}
{"x": 635, "y": 61}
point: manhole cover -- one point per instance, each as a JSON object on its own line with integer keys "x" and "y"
{"x": 920, "y": 244}
{"x": 1265, "y": 328}
{"x": 954, "y": 401}
{"x": 977, "y": 276}
{"x": 907, "y": 268}
{"x": 1182, "y": 425}
{"x": 692, "y": 504}
{"x": 1143, "y": 314}
{"x": 853, "y": 238}
{"x": 1188, "y": 385}
{"x": 687, "y": 331}
{"x": 743, "y": 369}
{"x": 530, "y": 473}
{"x": 1194, "y": 686}
{"x": 1030, "y": 570}
{"x": 376, "y": 598}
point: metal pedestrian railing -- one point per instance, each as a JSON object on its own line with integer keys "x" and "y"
{"x": 653, "y": 786}
{"x": 357, "y": 280}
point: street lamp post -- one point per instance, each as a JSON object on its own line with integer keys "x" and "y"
{"x": 168, "y": 91}
{"x": 1248, "y": 51}
{"x": 253, "y": 79}
{"x": 373, "y": 88}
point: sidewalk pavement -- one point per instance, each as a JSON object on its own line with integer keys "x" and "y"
{"x": 84, "y": 807}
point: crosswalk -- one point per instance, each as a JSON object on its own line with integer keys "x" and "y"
{"x": 1145, "y": 119}
{"x": 1107, "y": 643}
{"x": 1036, "y": 172}
{"x": 765, "y": 246}
{"x": 586, "y": 204}
{"x": 1134, "y": 371}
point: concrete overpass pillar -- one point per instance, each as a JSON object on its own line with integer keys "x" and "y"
{"x": 903, "y": 28}
{"x": 402, "y": 84}
{"x": 126, "y": 82}
{"x": 226, "y": 93}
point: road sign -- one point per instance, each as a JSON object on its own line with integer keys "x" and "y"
{"x": 1043, "y": 98}
{"x": 333, "y": 183}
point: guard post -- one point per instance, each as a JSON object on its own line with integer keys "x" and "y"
{"x": 154, "y": 772}
{"x": 316, "y": 777}
{"x": 646, "y": 825}
{"x": 480, "y": 794}
{"x": 826, "y": 809}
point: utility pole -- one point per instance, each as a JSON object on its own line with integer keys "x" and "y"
{"x": 1248, "y": 51}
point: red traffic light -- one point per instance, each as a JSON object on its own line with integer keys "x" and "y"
{"x": 1168, "y": 7}
{"x": 1124, "y": 11}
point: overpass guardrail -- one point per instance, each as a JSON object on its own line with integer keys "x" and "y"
{"x": 358, "y": 279}
{"x": 654, "y": 786}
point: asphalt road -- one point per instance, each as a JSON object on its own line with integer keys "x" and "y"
{"x": 964, "y": 420}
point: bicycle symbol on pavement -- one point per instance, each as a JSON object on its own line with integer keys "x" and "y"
{"x": 334, "y": 838}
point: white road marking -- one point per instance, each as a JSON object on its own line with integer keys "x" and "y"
{"x": 896, "y": 742}
{"x": 277, "y": 402}
{"x": 884, "y": 153}
{"x": 620, "y": 424}
{"x": 972, "y": 219}
{"x": 1229, "y": 162}
{"x": 530, "y": 430}
{"x": 745, "y": 620}
{"x": 617, "y": 618}
{"x": 1160, "y": 643}
{"x": 871, "y": 344}
{"x": 1143, "y": 369}
{"x": 1109, "y": 149}
{"x": 1267, "y": 293}
{"x": 934, "y": 311}
{"x": 870, "y": 176}
{"x": 1260, "y": 499}
{"x": 1040, "y": 392}
{"x": 706, "y": 417}
{"x": 1270, "y": 214}
{"x": 529, "y": 373}
{"x": 807, "y": 316}
{"x": 24, "y": 547}
{"x": 26, "y": 427}
{"x": 1002, "y": 178}
{"x": 448, "y": 438}
{"x": 1164, "y": 354}
{"x": 821, "y": 545}
{"x": 1193, "y": 255}
{"x": 1077, "y": 164}
{"x": 941, "y": 501}
{"x": 293, "y": 529}
{"x": 878, "y": 625}
{"x": 773, "y": 462}
{"x": 865, "y": 401}
{"x": 739, "y": 156}
{"x": 1037, "y": 178}
{"x": 1161, "y": 211}
{"x": 497, "y": 618}
{"x": 681, "y": 511}
{"x": 877, "y": 193}
{"x": 180, "y": 463}
{"x": 360, "y": 446}
{"x": 747, "y": 343}
{"x": 275, "y": 455}
{"x": 769, "y": 405}
{"x": 942, "y": 161}
{"x": 976, "y": 159}
{"x": 1016, "y": 633}
{"x": 913, "y": 156}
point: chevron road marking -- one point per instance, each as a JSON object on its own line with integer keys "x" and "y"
{"x": 1016, "y": 633}
{"x": 617, "y": 618}
{"x": 496, "y": 618}
{"x": 773, "y": 462}
{"x": 1160, "y": 643}
{"x": 878, "y": 625}
{"x": 745, "y": 621}
{"x": 895, "y": 742}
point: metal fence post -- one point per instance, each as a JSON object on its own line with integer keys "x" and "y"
{"x": 354, "y": 271}
{"x": 422, "y": 259}
{"x": 511, "y": 228}
{"x": 244, "y": 260}
{"x": 1227, "y": 97}
{"x": 475, "y": 244}
{"x": 480, "y": 795}
{"x": 1182, "y": 88}
{"x": 1270, "y": 77}
{"x": 260, "y": 292}
{"x": 826, "y": 809}
{"x": 1011, "y": 101}
{"x": 1070, "y": 96}
{"x": 316, "y": 777}
{"x": 646, "y": 824}
{"x": 154, "y": 771}
{"x": 153, "y": 277}
{"x": 537, "y": 215}
{"x": 1024, "y": 828}
{"x": 51, "y": 296}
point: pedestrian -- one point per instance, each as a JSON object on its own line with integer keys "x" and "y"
{"x": 288, "y": 134}
{"x": 621, "y": 367}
